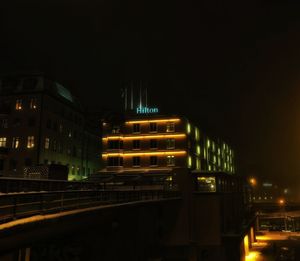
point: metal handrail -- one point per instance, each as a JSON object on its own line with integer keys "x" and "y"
{"x": 20, "y": 205}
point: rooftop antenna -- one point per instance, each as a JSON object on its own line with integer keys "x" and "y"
{"x": 140, "y": 95}
{"x": 131, "y": 100}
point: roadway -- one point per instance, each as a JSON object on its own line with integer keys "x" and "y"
{"x": 275, "y": 246}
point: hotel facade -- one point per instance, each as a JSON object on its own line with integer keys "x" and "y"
{"x": 153, "y": 142}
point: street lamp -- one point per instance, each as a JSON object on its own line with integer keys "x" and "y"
{"x": 253, "y": 181}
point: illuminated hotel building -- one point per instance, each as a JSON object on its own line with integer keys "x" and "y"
{"x": 156, "y": 142}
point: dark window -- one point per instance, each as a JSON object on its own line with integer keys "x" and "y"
{"x": 136, "y": 161}
{"x": 153, "y": 144}
{"x": 136, "y": 144}
{"x": 115, "y": 161}
{"x": 153, "y": 126}
{"x": 170, "y": 143}
{"x": 153, "y": 160}
{"x": 1, "y": 164}
{"x": 45, "y": 161}
{"x": 29, "y": 84}
{"x": 136, "y": 127}
{"x": 115, "y": 144}
{"x": 55, "y": 126}
{"x": 31, "y": 122}
{"x": 49, "y": 124}
{"x": 4, "y": 123}
{"x": 74, "y": 154}
{"x": 16, "y": 122}
{"x": 28, "y": 162}
{"x": 13, "y": 164}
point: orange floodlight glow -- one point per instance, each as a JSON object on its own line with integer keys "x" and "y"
{"x": 139, "y": 137}
{"x": 158, "y": 120}
{"x": 152, "y": 153}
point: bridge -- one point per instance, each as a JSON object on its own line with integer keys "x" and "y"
{"x": 28, "y": 218}
{"x": 125, "y": 218}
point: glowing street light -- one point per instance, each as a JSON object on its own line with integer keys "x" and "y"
{"x": 253, "y": 181}
{"x": 281, "y": 201}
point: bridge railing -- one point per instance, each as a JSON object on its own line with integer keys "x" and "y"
{"x": 20, "y": 205}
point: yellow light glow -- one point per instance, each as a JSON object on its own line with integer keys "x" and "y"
{"x": 153, "y": 153}
{"x": 158, "y": 120}
{"x": 139, "y": 137}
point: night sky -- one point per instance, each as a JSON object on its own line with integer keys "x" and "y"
{"x": 232, "y": 67}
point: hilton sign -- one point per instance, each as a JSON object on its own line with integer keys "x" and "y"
{"x": 146, "y": 110}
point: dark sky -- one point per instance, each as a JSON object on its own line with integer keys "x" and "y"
{"x": 231, "y": 66}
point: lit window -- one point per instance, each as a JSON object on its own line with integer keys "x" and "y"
{"x": 170, "y": 143}
{"x": 198, "y": 150}
{"x": 136, "y": 127}
{"x": 15, "y": 142}
{"x": 30, "y": 142}
{"x": 208, "y": 143}
{"x": 153, "y": 127}
{"x": 198, "y": 164}
{"x": 170, "y": 127}
{"x": 136, "y": 144}
{"x": 2, "y": 141}
{"x": 47, "y": 143}
{"x": 70, "y": 134}
{"x": 197, "y": 135}
{"x": 206, "y": 184}
{"x": 190, "y": 162}
{"x": 33, "y": 103}
{"x": 136, "y": 161}
{"x": 153, "y": 161}
{"x": 19, "y": 104}
{"x": 188, "y": 128}
{"x": 171, "y": 160}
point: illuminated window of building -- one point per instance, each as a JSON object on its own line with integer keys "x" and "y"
{"x": 136, "y": 144}
{"x": 209, "y": 167}
{"x": 206, "y": 184}
{"x": 213, "y": 147}
{"x": 136, "y": 128}
{"x": 47, "y": 143}
{"x": 197, "y": 135}
{"x": 73, "y": 170}
{"x": 171, "y": 160}
{"x": 4, "y": 123}
{"x": 15, "y": 142}
{"x": 2, "y": 141}
{"x": 190, "y": 162}
{"x": 198, "y": 150}
{"x": 30, "y": 142}
{"x": 204, "y": 154}
{"x": 208, "y": 143}
{"x": 198, "y": 164}
{"x": 18, "y": 104}
{"x": 170, "y": 127}
{"x": 33, "y": 103}
{"x": 153, "y": 161}
{"x": 188, "y": 128}
{"x": 136, "y": 161}
{"x": 153, "y": 127}
{"x": 219, "y": 151}
{"x": 170, "y": 143}
{"x": 153, "y": 144}
{"x": 70, "y": 134}
{"x": 215, "y": 159}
